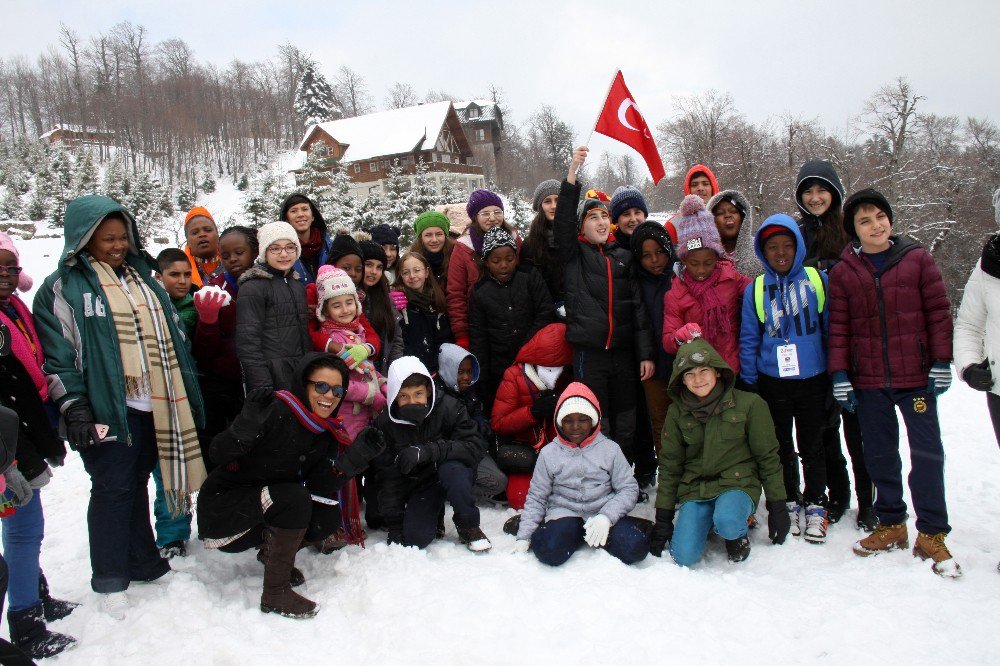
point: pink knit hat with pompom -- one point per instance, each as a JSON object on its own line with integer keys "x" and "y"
{"x": 330, "y": 282}
{"x": 696, "y": 228}
{"x": 23, "y": 282}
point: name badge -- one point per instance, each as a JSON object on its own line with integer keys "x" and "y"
{"x": 788, "y": 361}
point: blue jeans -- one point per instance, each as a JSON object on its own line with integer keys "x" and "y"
{"x": 22, "y": 543}
{"x": 122, "y": 547}
{"x": 880, "y": 433}
{"x": 555, "y": 541}
{"x": 727, "y": 513}
{"x": 420, "y": 520}
{"x": 168, "y": 528}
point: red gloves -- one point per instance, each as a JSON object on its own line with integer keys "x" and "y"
{"x": 208, "y": 302}
{"x": 687, "y": 333}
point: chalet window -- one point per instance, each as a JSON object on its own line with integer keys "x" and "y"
{"x": 357, "y": 168}
{"x": 446, "y": 158}
{"x": 473, "y": 112}
{"x": 373, "y": 166}
{"x": 480, "y": 135}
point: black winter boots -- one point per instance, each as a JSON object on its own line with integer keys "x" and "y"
{"x": 54, "y": 609}
{"x": 28, "y": 632}
{"x": 278, "y": 597}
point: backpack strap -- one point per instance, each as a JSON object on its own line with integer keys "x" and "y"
{"x": 758, "y": 297}
{"x": 817, "y": 283}
{"x": 814, "y": 278}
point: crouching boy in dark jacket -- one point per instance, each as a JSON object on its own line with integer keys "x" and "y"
{"x": 433, "y": 448}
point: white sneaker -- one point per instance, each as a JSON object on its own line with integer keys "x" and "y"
{"x": 115, "y": 604}
{"x": 795, "y": 515}
{"x": 815, "y": 524}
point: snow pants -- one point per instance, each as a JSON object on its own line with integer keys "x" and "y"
{"x": 880, "y": 429}
{"x": 727, "y": 513}
{"x": 555, "y": 541}
{"x": 420, "y": 520}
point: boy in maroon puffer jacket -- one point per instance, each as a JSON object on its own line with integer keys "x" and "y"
{"x": 890, "y": 346}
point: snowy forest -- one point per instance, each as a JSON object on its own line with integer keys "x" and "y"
{"x": 170, "y": 128}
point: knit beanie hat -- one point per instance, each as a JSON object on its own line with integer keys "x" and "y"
{"x": 480, "y": 199}
{"x": 330, "y": 282}
{"x": 576, "y": 404}
{"x": 646, "y": 231}
{"x": 275, "y": 231}
{"x": 341, "y": 246}
{"x": 696, "y": 228}
{"x": 591, "y": 200}
{"x": 497, "y": 237}
{"x": 624, "y": 198}
{"x": 855, "y": 201}
{"x": 195, "y": 212}
{"x": 372, "y": 250}
{"x": 431, "y": 218}
{"x": 23, "y": 281}
{"x": 383, "y": 234}
{"x": 546, "y": 188}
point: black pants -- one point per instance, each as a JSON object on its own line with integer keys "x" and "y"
{"x": 420, "y": 521}
{"x": 645, "y": 441}
{"x": 613, "y": 376}
{"x": 837, "y": 479}
{"x": 291, "y": 508}
{"x": 223, "y": 401}
{"x": 993, "y": 404}
{"x": 802, "y": 402}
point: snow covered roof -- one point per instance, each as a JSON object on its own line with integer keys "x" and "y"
{"x": 63, "y": 127}
{"x": 386, "y": 132}
{"x": 487, "y": 109}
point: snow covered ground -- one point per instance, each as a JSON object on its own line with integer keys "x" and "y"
{"x": 382, "y": 605}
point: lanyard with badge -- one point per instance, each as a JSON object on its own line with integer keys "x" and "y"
{"x": 788, "y": 355}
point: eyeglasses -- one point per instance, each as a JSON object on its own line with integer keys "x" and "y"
{"x": 323, "y": 388}
{"x": 284, "y": 249}
{"x": 10, "y": 270}
{"x": 486, "y": 215}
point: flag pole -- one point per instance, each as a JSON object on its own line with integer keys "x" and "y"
{"x": 593, "y": 125}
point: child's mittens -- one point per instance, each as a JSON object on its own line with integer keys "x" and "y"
{"x": 939, "y": 378}
{"x": 353, "y": 355}
{"x": 843, "y": 391}
{"x": 399, "y": 300}
{"x": 687, "y": 333}
{"x": 208, "y": 301}
{"x": 544, "y": 405}
{"x": 521, "y": 546}
{"x": 596, "y": 530}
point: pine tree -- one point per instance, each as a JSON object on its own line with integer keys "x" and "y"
{"x": 341, "y": 204}
{"x": 395, "y": 208}
{"x": 452, "y": 191}
{"x": 517, "y": 212}
{"x": 84, "y": 175}
{"x": 116, "y": 184}
{"x": 309, "y": 179}
{"x": 369, "y": 213}
{"x": 314, "y": 99}
{"x": 207, "y": 184}
{"x": 262, "y": 204}
{"x": 187, "y": 194}
{"x": 11, "y": 207}
{"x": 424, "y": 193}
{"x": 59, "y": 187}
{"x": 243, "y": 183}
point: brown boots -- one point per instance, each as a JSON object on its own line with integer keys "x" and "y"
{"x": 928, "y": 546}
{"x": 278, "y": 597}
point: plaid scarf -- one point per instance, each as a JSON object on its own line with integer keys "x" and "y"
{"x": 151, "y": 368}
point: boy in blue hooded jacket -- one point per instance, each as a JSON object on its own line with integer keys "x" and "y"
{"x": 783, "y": 358}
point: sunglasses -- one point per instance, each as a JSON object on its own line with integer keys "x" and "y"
{"x": 10, "y": 270}
{"x": 323, "y": 388}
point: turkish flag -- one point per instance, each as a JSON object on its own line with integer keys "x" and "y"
{"x": 621, "y": 120}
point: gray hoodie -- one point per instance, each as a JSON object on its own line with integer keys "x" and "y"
{"x": 744, "y": 256}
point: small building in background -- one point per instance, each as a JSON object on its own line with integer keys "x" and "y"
{"x": 76, "y": 135}
{"x": 482, "y": 120}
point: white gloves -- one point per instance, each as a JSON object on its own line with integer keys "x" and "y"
{"x": 521, "y": 546}
{"x": 596, "y": 530}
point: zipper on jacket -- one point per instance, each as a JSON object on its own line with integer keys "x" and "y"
{"x": 611, "y": 305}
{"x": 885, "y": 331}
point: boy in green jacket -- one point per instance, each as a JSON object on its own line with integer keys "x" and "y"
{"x": 718, "y": 450}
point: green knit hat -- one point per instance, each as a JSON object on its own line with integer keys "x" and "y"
{"x": 431, "y": 218}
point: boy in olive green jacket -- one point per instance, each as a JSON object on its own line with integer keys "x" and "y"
{"x": 718, "y": 449}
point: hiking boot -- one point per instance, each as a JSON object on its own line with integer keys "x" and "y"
{"x": 278, "y": 595}
{"x": 815, "y": 531}
{"x": 738, "y": 549}
{"x": 512, "y": 525}
{"x": 795, "y": 515}
{"x": 53, "y": 609}
{"x": 115, "y": 604}
{"x": 835, "y": 511}
{"x": 867, "y": 520}
{"x": 295, "y": 578}
{"x": 882, "y": 540}
{"x": 931, "y": 546}
{"x": 174, "y": 549}
{"x": 474, "y": 538}
{"x": 28, "y": 632}
{"x": 329, "y": 545}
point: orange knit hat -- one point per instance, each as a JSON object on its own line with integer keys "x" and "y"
{"x": 198, "y": 211}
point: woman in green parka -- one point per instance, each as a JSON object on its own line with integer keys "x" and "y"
{"x": 120, "y": 371}
{"x": 718, "y": 450}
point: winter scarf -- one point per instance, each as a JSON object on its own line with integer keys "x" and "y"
{"x": 991, "y": 257}
{"x": 421, "y": 299}
{"x": 151, "y": 368}
{"x": 348, "y": 495}
{"x": 435, "y": 259}
{"x": 716, "y": 324}
{"x": 26, "y": 347}
{"x": 703, "y": 408}
{"x": 314, "y": 245}
{"x": 476, "y": 236}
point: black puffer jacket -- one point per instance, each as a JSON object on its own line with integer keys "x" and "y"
{"x": 447, "y": 433}
{"x": 598, "y": 314}
{"x": 271, "y": 326}
{"x": 35, "y": 438}
{"x": 423, "y": 333}
{"x": 284, "y": 451}
{"x": 502, "y": 317}
{"x": 809, "y": 224}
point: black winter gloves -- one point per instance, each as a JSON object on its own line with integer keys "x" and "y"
{"x": 544, "y": 405}
{"x": 662, "y": 532}
{"x": 778, "y": 521}
{"x": 367, "y": 445}
{"x": 979, "y": 376}
{"x": 81, "y": 430}
{"x": 246, "y": 427}
{"x": 410, "y": 457}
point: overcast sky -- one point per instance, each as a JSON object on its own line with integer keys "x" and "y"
{"x": 817, "y": 59}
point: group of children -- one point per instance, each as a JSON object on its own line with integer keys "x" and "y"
{"x": 563, "y": 373}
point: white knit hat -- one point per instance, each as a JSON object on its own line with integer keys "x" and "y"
{"x": 577, "y": 405}
{"x": 331, "y": 282}
{"x": 275, "y": 231}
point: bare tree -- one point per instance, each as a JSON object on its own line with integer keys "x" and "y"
{"x": 352, "y": 92}
{"x": 888, "y": 114}
{"x": 401, "y": 95}
{"x": 696, "y": 135}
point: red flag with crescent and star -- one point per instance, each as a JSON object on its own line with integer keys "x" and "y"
{"x": 621, "y": 120}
